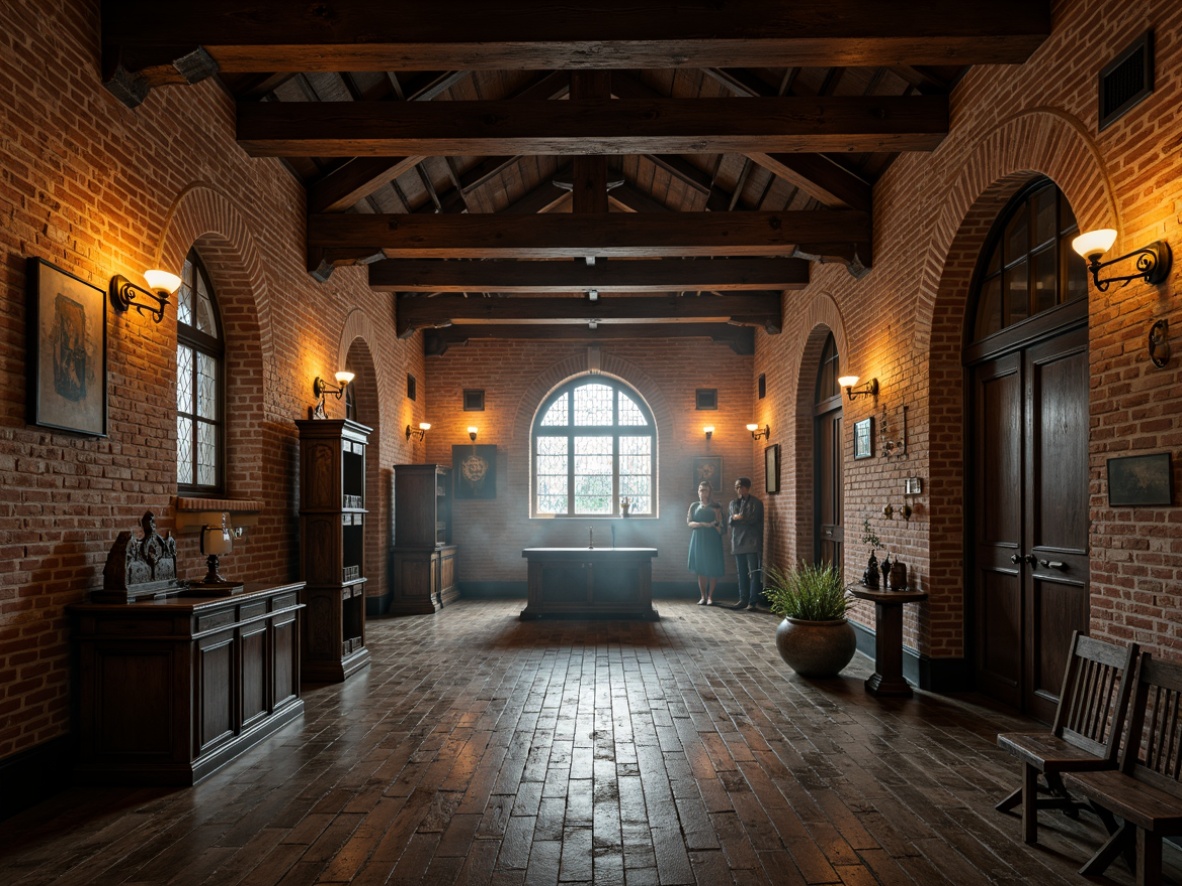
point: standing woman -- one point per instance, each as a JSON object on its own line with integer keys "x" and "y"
{"x": 705, "y": 548}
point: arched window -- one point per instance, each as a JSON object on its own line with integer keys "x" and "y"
{"x": 594, "y": 443}
{"x": 200, "y": 374}
{"x": 1029, "y": 263}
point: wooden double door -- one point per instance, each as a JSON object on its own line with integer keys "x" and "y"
{"x": 1029, "y": 517}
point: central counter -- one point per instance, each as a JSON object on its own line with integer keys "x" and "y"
{"x": 590, "y": 583}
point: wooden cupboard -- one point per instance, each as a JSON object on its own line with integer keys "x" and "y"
{"x": 332, "y": 547}
{"x": 424, "y": 558}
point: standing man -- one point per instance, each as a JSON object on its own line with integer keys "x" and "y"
{"x": 746, "y": 521}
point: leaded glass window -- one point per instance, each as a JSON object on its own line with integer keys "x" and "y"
{"x": 200, "y": 374}
{"x": 594, "y": 444}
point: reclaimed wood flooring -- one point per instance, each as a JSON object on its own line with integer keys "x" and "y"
{"x": 478, "y": 749}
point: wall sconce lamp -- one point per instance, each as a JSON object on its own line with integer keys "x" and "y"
{"x": 848, "y": 381}
{"x": 709, "y": 429}
{"x": 320, "y": 387}
{"x": 1153, "y": 261}
{"x": 472, "y": 429}
{"x": 756, "y": 433}
{"x": 418, "y": 433}
{"x": 125, "y": 295}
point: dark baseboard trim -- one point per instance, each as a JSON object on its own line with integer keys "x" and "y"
{"x": 931, "y": 674}
{"x": 28, "y": 777}
{"x": 662, "y": 590}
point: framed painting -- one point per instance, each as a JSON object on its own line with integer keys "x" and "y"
{"x": 1140, "y": 480}
{"x": 708, "y": 468}
{"x": 67, "y": 342}
{"x": 771, "y": 469}
{"x": 864, "y": 438}
{"x": 474, "y": 471}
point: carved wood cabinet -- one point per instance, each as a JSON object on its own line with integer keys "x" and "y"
{"x": 424, "y": 557}
{"x": 171, "y": 689}
{"x": 332, "y": 547}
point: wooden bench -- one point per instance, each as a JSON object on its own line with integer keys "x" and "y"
{"x": 1086, "y": 733}
{"x": 1146, "y": 791}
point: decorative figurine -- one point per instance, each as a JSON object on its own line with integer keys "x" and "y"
{"x": 870, "y": 576}
{"x": 898, "y": 575}
{"x": 886, "y": 572}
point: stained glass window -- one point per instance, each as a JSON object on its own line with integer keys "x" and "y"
{"x": 594, "y": 444}
{"x": 199, "y": 381}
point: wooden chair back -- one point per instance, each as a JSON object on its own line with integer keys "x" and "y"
{"x": 1094, "y": 702}
{"x": 1153, "y": 748}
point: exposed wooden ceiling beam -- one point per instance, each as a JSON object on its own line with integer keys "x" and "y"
{"x": 722, "y": 275}
{"x": 618, "y": 235}
{"x": 144, "y": 36}
{"x": 620, "y": 126}
{"x": 416, "y": 312}
{"x": 830, "y": 184}
{"x": 740, "y": 339}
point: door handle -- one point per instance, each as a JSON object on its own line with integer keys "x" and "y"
{"x": 1016, "y": 559}
{"x": 1023, "y": 558}
{"x": 1053, "y": 564}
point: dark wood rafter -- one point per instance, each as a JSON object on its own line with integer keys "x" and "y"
{"x": 416, "y": 312}
{"x": 361, "y": 176}
{"x": 620, "y": 235}
{"x": 741, "y": 339}
{"x": 662, "y": 275}
{"x": 619, "y": 126}
{"x": 141, "y": 42}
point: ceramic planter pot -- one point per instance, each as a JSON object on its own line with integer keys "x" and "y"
{"x": 816, "y": 648}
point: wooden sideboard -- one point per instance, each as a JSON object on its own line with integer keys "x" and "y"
{"x": 171, "y": 689}
{"x": 590, "y": 583}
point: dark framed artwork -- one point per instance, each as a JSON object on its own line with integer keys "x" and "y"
{"x": 707, "y": 468}
{"x": 67, "y": 366}
{"x": 1140, "y": 480}
{"x": 706, "y": 398}
{"x": 474, "y": 471}
{"x": 771, "y": 469}
{"x": 864, "y": 438}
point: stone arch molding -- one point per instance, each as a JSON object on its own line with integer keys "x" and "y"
{"x": 359, "y": 325}
{"x": 1038, "y": 141}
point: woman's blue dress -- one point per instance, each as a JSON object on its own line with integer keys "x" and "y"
{"x": 705, "y": 547}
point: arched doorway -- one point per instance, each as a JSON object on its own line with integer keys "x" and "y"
{"x": 1027, "y": 363}
{"x": 828, "y": 522}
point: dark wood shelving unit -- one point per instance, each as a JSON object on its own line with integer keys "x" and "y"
{"x": 424, "y": 556}
{"x": 332, "y": 547}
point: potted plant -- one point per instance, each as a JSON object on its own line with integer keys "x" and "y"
{"x": 815, "y": 638}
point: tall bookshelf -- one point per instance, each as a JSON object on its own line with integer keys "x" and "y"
{"x": 332, "y": 547}
{"x": 424, "y": 556}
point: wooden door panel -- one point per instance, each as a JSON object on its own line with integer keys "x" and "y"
{"x": 1059, "y": 476}
{"x": 1055, "y": 605}
{"x": 998, "y": 455}
{"x": 830, "y": 530}
{"x": 999, "y": 635}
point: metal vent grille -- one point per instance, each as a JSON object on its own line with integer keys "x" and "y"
{"x": 1126, "y": 80}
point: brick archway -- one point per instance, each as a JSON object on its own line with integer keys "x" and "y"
{"x": 1040, "y": 142}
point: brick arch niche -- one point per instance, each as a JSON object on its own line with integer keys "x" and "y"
{"x": 357, "y": 358}
{"x": 1027, "y": 146}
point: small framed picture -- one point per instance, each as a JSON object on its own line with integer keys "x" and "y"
{"x": 864, "y": 438}
{"x": 706, "y": 398}
{"x": 771, "y": 469}
{"x": 1140, "y": 480}
{"x": 67, "y": 351}
{"x": 708, "y": 469}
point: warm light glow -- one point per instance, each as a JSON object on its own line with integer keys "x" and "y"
{"x": 709, "y": 429}
{"x": 162, "y": 281}
{"x": 847, "y": 381}
{"x": 1094, "y": 242}
{"x": 424, "y": 426}
{"x": 472, "y": 429}
{"x": 344, "y": 378}
{"x": 753, "y": 427}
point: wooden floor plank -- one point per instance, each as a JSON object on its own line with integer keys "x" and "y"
{"x": 579, "y": 752}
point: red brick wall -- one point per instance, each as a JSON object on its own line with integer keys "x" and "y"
{"x": 98, "y": 189}
{"x": 515, "y": 377}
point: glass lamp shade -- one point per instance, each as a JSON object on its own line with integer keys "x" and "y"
{"x": 162, "y": 281}
{"x": 1094, "y": 242}
{"x": 424, "y": 426}
{"x": 753, "y": 427}
{"x": 847, "y": 381}
{"x": 344, "y": 378}
{"x": 216, "y": 540}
